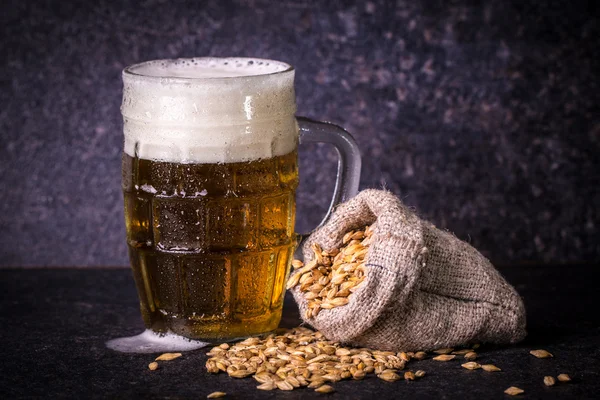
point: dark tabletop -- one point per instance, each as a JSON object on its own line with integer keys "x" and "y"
{"x": 55, "y": 323}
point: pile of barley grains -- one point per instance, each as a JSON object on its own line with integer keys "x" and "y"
{"x": 301, "y": 357}
{"x": 331, "y": 276}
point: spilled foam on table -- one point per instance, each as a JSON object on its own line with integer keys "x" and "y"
{"x": 152, "y": 342}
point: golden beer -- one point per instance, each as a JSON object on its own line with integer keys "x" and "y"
{"x": 210, "y": 244}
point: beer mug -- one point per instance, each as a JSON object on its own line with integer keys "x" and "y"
{"x": 210, "y": 170}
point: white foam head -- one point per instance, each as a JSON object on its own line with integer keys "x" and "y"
{"x": 209, "y": 110}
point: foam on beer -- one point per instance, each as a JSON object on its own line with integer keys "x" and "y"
{"x": 209, "y": 110}
{"x": 210, "y": 67}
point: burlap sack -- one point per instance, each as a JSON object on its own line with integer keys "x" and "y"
{"x": 425, "y": 289}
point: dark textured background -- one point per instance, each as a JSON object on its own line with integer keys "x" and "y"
{"x": 483, "y": 115}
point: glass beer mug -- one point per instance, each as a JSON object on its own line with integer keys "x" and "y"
{"x": 210, "y": 171}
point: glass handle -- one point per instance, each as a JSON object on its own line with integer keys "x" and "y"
{"x": 349, "y": 162}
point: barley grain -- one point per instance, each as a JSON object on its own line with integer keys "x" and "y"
{"x": 513, "y": 391}
{"x": 389, "y": 376}
{"x": 444, "y": 357}
{"x": 471, "y": 365}
{"x": 549, "y": 381}
{"x": 325, "y": 389}
{"x": 167, "y": 356}
{"x": 490, "y": 368}
{"x": 266, "y": 386}
{"x": 541, "y": 353}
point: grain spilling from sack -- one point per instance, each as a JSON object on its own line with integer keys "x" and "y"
{"x": 331, "y": 277}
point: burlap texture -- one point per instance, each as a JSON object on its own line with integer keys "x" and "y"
{"x": 425, "y": 289}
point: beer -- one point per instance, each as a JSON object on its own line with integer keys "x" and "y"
{"x": 210, "y": 243}
{"x": 209, "y": 179}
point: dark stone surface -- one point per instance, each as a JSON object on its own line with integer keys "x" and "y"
{"x": 485, "y": 116}
{"x": 56, "y": 321}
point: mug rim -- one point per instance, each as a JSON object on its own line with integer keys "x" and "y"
{"x": 129, "y": 71}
